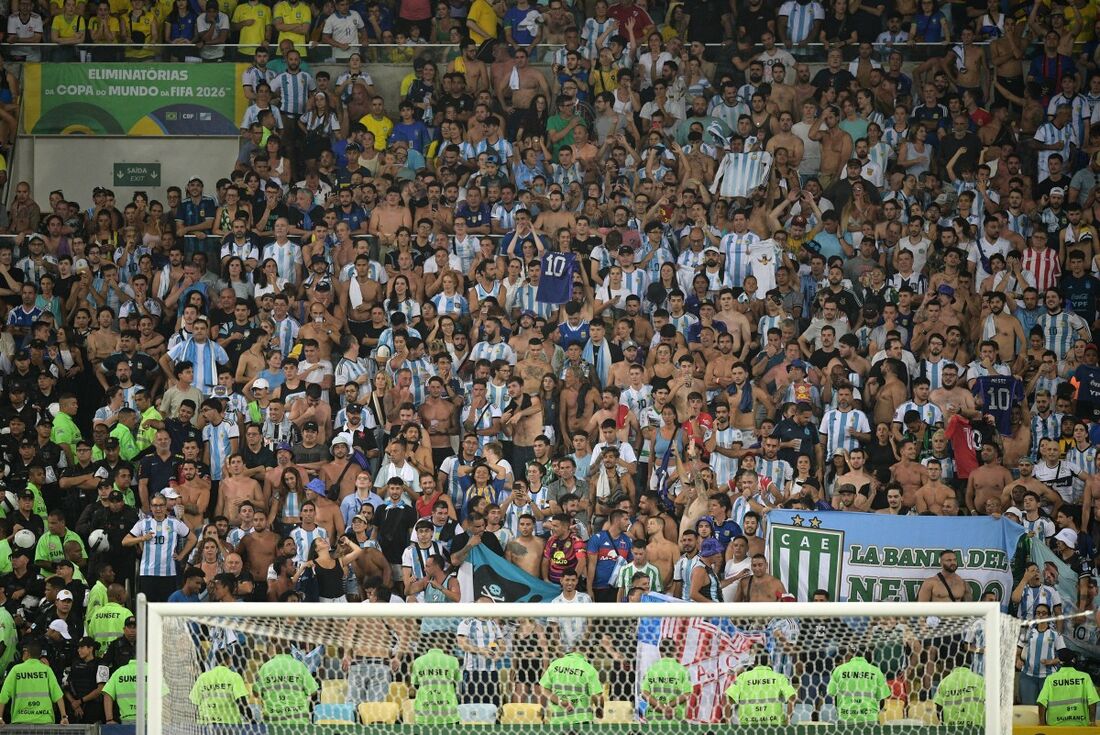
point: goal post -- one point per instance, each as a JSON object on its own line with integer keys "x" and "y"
{"x": 363, "y": 654}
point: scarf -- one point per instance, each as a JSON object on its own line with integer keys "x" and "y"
{"x": 603, "y": 366}
{"x": 744, "y": 404}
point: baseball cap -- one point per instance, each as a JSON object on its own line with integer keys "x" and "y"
{"x": 131, "y": 622}
{"x": 259, "y": 383}
{"x": 1091, "y": 346}
{"x": 64, "y": 595}
{"x": 796, "y": 364}
{"x": 26, "y": 495}
{"x": 111, "y": 443}
{"x": 309, "y": 426}
{"x": 629, "y": 344}
{"x": 786, "y": 597}
{"x": 946, "y": 290}
{"x": 625, "y": 250}
{"x": 284, "y": 447}
{"x": 170, "y": 493}
{"x": 1025, "y": 460}
{"x": 115, "y": 496}
{"x": 360, "y": 517}
{"x": 87, "y": 641}
{"x": 60, "y": 626}
{"x": 711, "y": 249}
{"x": 1013, "y": 510}
{"x": 1057, "y": 191}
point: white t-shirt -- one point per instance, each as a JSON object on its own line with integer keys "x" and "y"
{"x": 17, "y": 29}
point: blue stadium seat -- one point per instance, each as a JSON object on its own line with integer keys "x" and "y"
{"x": 802, "y": 713}
{"x": 477, "y": 714}
{"x": 828, "y": 713}
{"x": 339, "y": 712}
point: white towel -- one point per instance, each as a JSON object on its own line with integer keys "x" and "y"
{"x": 513, "y": 79}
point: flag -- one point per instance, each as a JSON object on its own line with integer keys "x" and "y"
{"x": 1082, "y": 633}
{"x": 492, "y": 575}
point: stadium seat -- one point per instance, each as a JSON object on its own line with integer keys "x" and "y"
{"x": 1025, "y": 714}
{"x": 399, "y": 692}
{"x": 924, "y": 712}
{"x": 893, "y": 710}
{"x": 342, "y": 713}
{"x": 618, "y": 712}
{"x": 802, "y": 713}
{"x": 477, "y": 714}
{"x": 383, "y": 713}
{"x": 515, "y": 713}
{"x": 408, "y": 711}
{"x": 828, "y": 713}
{"x": 334, "y": 691}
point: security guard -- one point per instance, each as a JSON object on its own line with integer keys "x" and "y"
{"x": 108, "y": 622}
{"x": 32, "y": 689}
{"x": 221, "y": 695}
{"x": 286, "y": 688}
{"x": 120, "y": 695}
{"x": 84, "y": 682}
{"x": 436, "y": 677}
{"x": 960, "y": 697}
{"x": 761, "y": 695}
{"x": 858, "y": 687}
{"x": 572, "y": 688}
{"x": 1068, "y": 697}
{"x": 666, "y": 686}
{"x": 123, "y": 648}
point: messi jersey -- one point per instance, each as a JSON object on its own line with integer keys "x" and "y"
{"x": 556, "y": 282}
{"x": 573, "y": 334}
{"x": 998, "y": 394}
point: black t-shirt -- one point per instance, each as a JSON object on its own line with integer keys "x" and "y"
{"x": 488, "y": 540}
{"x": 1043, "y": 187}
{"x": 838, "y": 80}
{"x": 263, "y": 458}
{"x": 755, "y": 22}
{"x": 820, "y": 358}
{"x": 18, "y": 276}
{"x": 142, "y": 366}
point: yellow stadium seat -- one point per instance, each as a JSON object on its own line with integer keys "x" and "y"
{"x": 1025, "y": 714}
{"x": 408, "y": 712}
{"x": 516, "y": 713}
{"x": 334, "y": 691}
{"x": 892, "y": 710}
{"x": 378, "y": 713}
{"x": 618, "y": 712}
{"x": 925, "y": 712}
{"x": 399, "y": 692}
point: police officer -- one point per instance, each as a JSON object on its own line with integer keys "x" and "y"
{"x": 83, "y": 683}
{"x": 116, "y": 519}
{"x": 123, "y": 648}
{"x": 32, "y": 689}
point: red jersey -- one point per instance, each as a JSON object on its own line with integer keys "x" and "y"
{"x": 641, "y": 21}
{"x": 965, "y": 442}
{"x": 564, "y": 554}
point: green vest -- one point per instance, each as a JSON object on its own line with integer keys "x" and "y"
{"x": 51, "y": 548}
{"x": 961, "y": 696}
{"x": 761, "y": 696}
{"x": 216, "y": 693}
{"x": 858, "y": 687}
{"x": 39, "y": 507}
{"x": 9, "y": 637}
{"x": 32, "y": 688}
{"x": 106, "y": 624}
{"x": 572, "y": 679}
{"x": 5, "y": 557}
{"x": 97, "y": 598}
{"x": 1069, "y": 697}
{"x": 122, "y": 688}
{"x": 285, "y": 686}
{"x": 436, "y": 676}
{"x": 146, "y": 435}
{"x": 665, "y": 681}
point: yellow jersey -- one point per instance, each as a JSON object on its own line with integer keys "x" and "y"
{"x": 141, "y": 31}
{"x": 482, "y": 13}
{"x": 257, "y": 32}
{"x": 293, "y": 15}
{"x": 380, "y": 128}
{"x": 63, "y": 28}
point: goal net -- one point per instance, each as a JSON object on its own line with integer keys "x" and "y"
{"x": 600, "y": 668}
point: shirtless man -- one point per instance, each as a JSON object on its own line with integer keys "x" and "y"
{"x": 911, "y": 474}
{"x": 357, "y": 304}
{"x": 987, "y": 481}
{"x": 750, "y": 524}
{"x": 1006, "y": 58}
{"x": 102, "y": 342}
{"x": 337, "y": 470}
{"x": 194, "y": 495}
{"x": 931, "y": 496}
{"x": 966, "y": 64}
{"x": 258, "y": 550}
{"x": 532, "y": 82}
{"x": 236, "y": 488}
{"x": 525, "y": 550}
{"x": 388, "y": 216}
{"x": 945, "y": 586}
{"x": 440, "y": 417}
{"x": 553, "y": 218}
{"x": 475, "y": 71}
{"x": 836, "y": 146}
{"x": 890, "y": 394}
{"x": 661, "y": 552}
{"x": 609, "y": 410}
{"x": 759, "y": 586}
{"x": 951, "y": 392}
{"x": 1014, "y": 492}
{"x": 894, "y": 506}
{"x": 1007, "y": 331}
{"x": 648, "y": 508}
{"x": 284, "y": 457}
{"x": 786, "y": 139}
{"x": 329, "y": 516}
{"x": 783, "y": 98}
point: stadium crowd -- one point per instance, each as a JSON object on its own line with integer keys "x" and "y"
{"x": 596, "y": 293}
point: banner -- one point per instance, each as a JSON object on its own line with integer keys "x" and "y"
{"x": 862, "y": 558}
{"x": 492, "y": 575}
{"x": 713, "y": 650}
{"x": 1081, "y": 634}
{"x": 146, "y": 99}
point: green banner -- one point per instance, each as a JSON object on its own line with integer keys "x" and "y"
{"x": 133, "y": 99}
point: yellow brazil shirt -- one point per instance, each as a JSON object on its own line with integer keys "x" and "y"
{"x": 63, "y": 28}
{"x": 257, "y": 32}
{"x": 141, "y": 32}
{"x": 482, "y": 13}
{"x": 111, "y": 23}
{"x": 292, "y": 15}
{"x": 120, "y": 7}
{"x": 380, "y": 128}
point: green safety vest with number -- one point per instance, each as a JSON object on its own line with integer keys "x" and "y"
{"x": 436, "y": 676}
{"x": 666, "y": 681}
{"x": 1069, "y": 697}
{"x": 761, "y": 696}
{"x": 285, "y": 686}
{"x": 858, "y": 687}
{"x": 571, "y": 679}
{"x": 32, "y": 688}
{"x": 216, "y": 694}
{"x": 122, "y": 689}
{"x": 961, "y": 696}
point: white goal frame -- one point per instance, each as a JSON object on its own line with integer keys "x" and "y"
{"x": 150, "y": 648}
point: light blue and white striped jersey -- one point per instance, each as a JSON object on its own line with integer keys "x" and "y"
{"x": 205, "y": 357}
{"x": 779, "y": 471}
{"x": 768, "y": 322}
{"x": 691, "y": 260}
{"x": 1039, "y": 645}
{"x": 683, "y": 322}
{"x": 526, "y": 299}
{"x": 636, "y": 282}
{"x": 235, "y": 535}
{"x": 347, "y": 371}
{"x": 739, "y": 173}
{"x": 293, "y": 88}
{"x": 880, "y": 154}
{"x": 930, "y": 413}
{"x": 128, "y": 396}
{"x": 782, "y": 633}
{"x": 1034, "y": 596}
{"x": 725, "y": 468}
{"x": 421, "y": 371}
{"x": 1048, "y": 427}
{"x": 894, "y": 138}
{"x": 303, "y": 541}
{"x": 287, "y": 256}
{"x": 800, "y": 18}
{"x": 1019, "y": 223}
{"x": 483, "y": 418}
{"x": 727, "y": 113}
{"x": 157, "y": 552}
{"x": 502, "y": 148}
{"x": 497, "y": 395}
{"x": 539, "y": 499}
{"x": 1080, "y": 111}
{"x": 975, "y": 636}
{"x": 685, "y": 567}
{"x": 1048, "y": 133}
{"x": 560, "y": 54}
{"x": 934, "y": 371}
{"x": 1048, "y": 384}
{"x": 736, "y": 249}
{"x": 1039, "y": 529}
{"x": 286, "y": 331}
{"x": 480, "y": 634}
{"x": 1085, "y": 459}
{"x": 835, "y": 424}
{"x": 218, "y": 440}
{"x": 1060, "y": 330}
{"x": 454, "y": 305}
{"x": 505, "y": 218}
{"x": 409, "y": 307}
{"x": 590, "y": 35}
{"x": 499, "y": 351}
